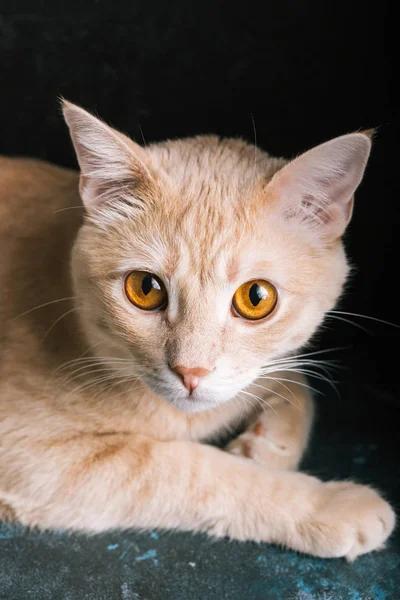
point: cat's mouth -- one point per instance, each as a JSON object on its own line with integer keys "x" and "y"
{"x": 171, "y": 389}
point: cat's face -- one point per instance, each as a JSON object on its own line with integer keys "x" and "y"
{"x": 197, "y": 265}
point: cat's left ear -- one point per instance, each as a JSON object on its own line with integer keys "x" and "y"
{"x": 112, "y": 166}
{"x": 317, "y": 188}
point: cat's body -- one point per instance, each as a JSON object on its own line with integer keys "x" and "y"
{"x": 102, "y": 403}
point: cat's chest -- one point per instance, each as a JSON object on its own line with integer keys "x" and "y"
{"x": 156, "y": 419}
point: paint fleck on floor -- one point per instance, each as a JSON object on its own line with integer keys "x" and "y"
{"x": 150, "y": 554}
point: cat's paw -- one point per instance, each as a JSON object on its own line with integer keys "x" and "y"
{"x": 263, "y": 451}
{"x": 350, "y": 520}
{"x": 268, "y": 443}
{"x": 6, "y": 512}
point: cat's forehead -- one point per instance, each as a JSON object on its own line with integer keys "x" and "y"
{"x": 207, "y": 224}
{"x": 205, "y": 249}
{"x": 204, "y": 226}
{"x": 212, "y": 170}
{"x": 207, "y": 204}
{"x": 192, "y": 248}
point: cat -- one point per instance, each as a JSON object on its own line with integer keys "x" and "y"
{"x": 154, "y": 301}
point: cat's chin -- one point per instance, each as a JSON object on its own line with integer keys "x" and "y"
{"x": 192, "y": 405}
{"x": 195, "y": 403}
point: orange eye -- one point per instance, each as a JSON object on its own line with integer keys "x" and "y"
{"x": 145, "y": 290}
{"x": 255, "y": 299}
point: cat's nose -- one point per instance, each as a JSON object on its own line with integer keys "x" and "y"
{"x": 190, "y": 377}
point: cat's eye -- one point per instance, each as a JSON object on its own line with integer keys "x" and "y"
{"x": 146, "y": 291}
{"x": 255, "y": 299}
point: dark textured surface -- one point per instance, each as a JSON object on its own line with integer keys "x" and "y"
{"x": 305, "y": 71}
{"x": 356, "y": 436}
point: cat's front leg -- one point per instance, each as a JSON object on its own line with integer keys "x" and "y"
{"x": 278, "y": 434}
{"x": 95, "y": 482}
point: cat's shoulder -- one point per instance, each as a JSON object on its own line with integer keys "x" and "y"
{"x": 33, "y": 192}
{"x": 27, "y": 180}
{"x": 13, "y": 170}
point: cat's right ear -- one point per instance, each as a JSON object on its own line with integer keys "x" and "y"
{"x": 113, "y": 168}
{"x": 317, "y": 188}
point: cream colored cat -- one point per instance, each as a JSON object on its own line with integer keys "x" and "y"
{"x": 166, "y": 315}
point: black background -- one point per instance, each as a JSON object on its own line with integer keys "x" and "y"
{"x": 302, "y": 71}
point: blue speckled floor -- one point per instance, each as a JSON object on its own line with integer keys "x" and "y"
{"x": 355, "y": 439}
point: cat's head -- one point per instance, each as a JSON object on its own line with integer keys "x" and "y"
{"x": 202, "y": 261}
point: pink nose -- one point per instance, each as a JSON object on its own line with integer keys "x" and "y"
{"x": 191, "y": 377}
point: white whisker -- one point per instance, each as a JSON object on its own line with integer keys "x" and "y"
{"x": 275, "y": 393}
{"x": 261, "y": 401}
{"x": 129, "y": 390}
{"x": 350, "y": 314}
{"x": 244, "y": 399}
{"x": 68, "y": 208}
{"x": 75, "y": 375}
{"x": 92, "y": 383}
{"x": 300, "y": 383}
{"x": 329, "y": 316}
{"x": 68, "y": 312}
{"x": 42, "y": 306}
{"x": 101, "y": 360}
{"x": 305, "y": 354}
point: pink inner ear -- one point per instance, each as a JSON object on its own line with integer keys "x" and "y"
{"x": 310, "y": 206}
{"x": 112, "y": 166}
{"x": 317, "y": 188}
{"x": 309, "y": 210}
{"x": 326, "y": 214}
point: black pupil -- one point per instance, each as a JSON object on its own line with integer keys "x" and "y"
{"x": 256, "y": 294}
{"x": 147, "y": 284}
